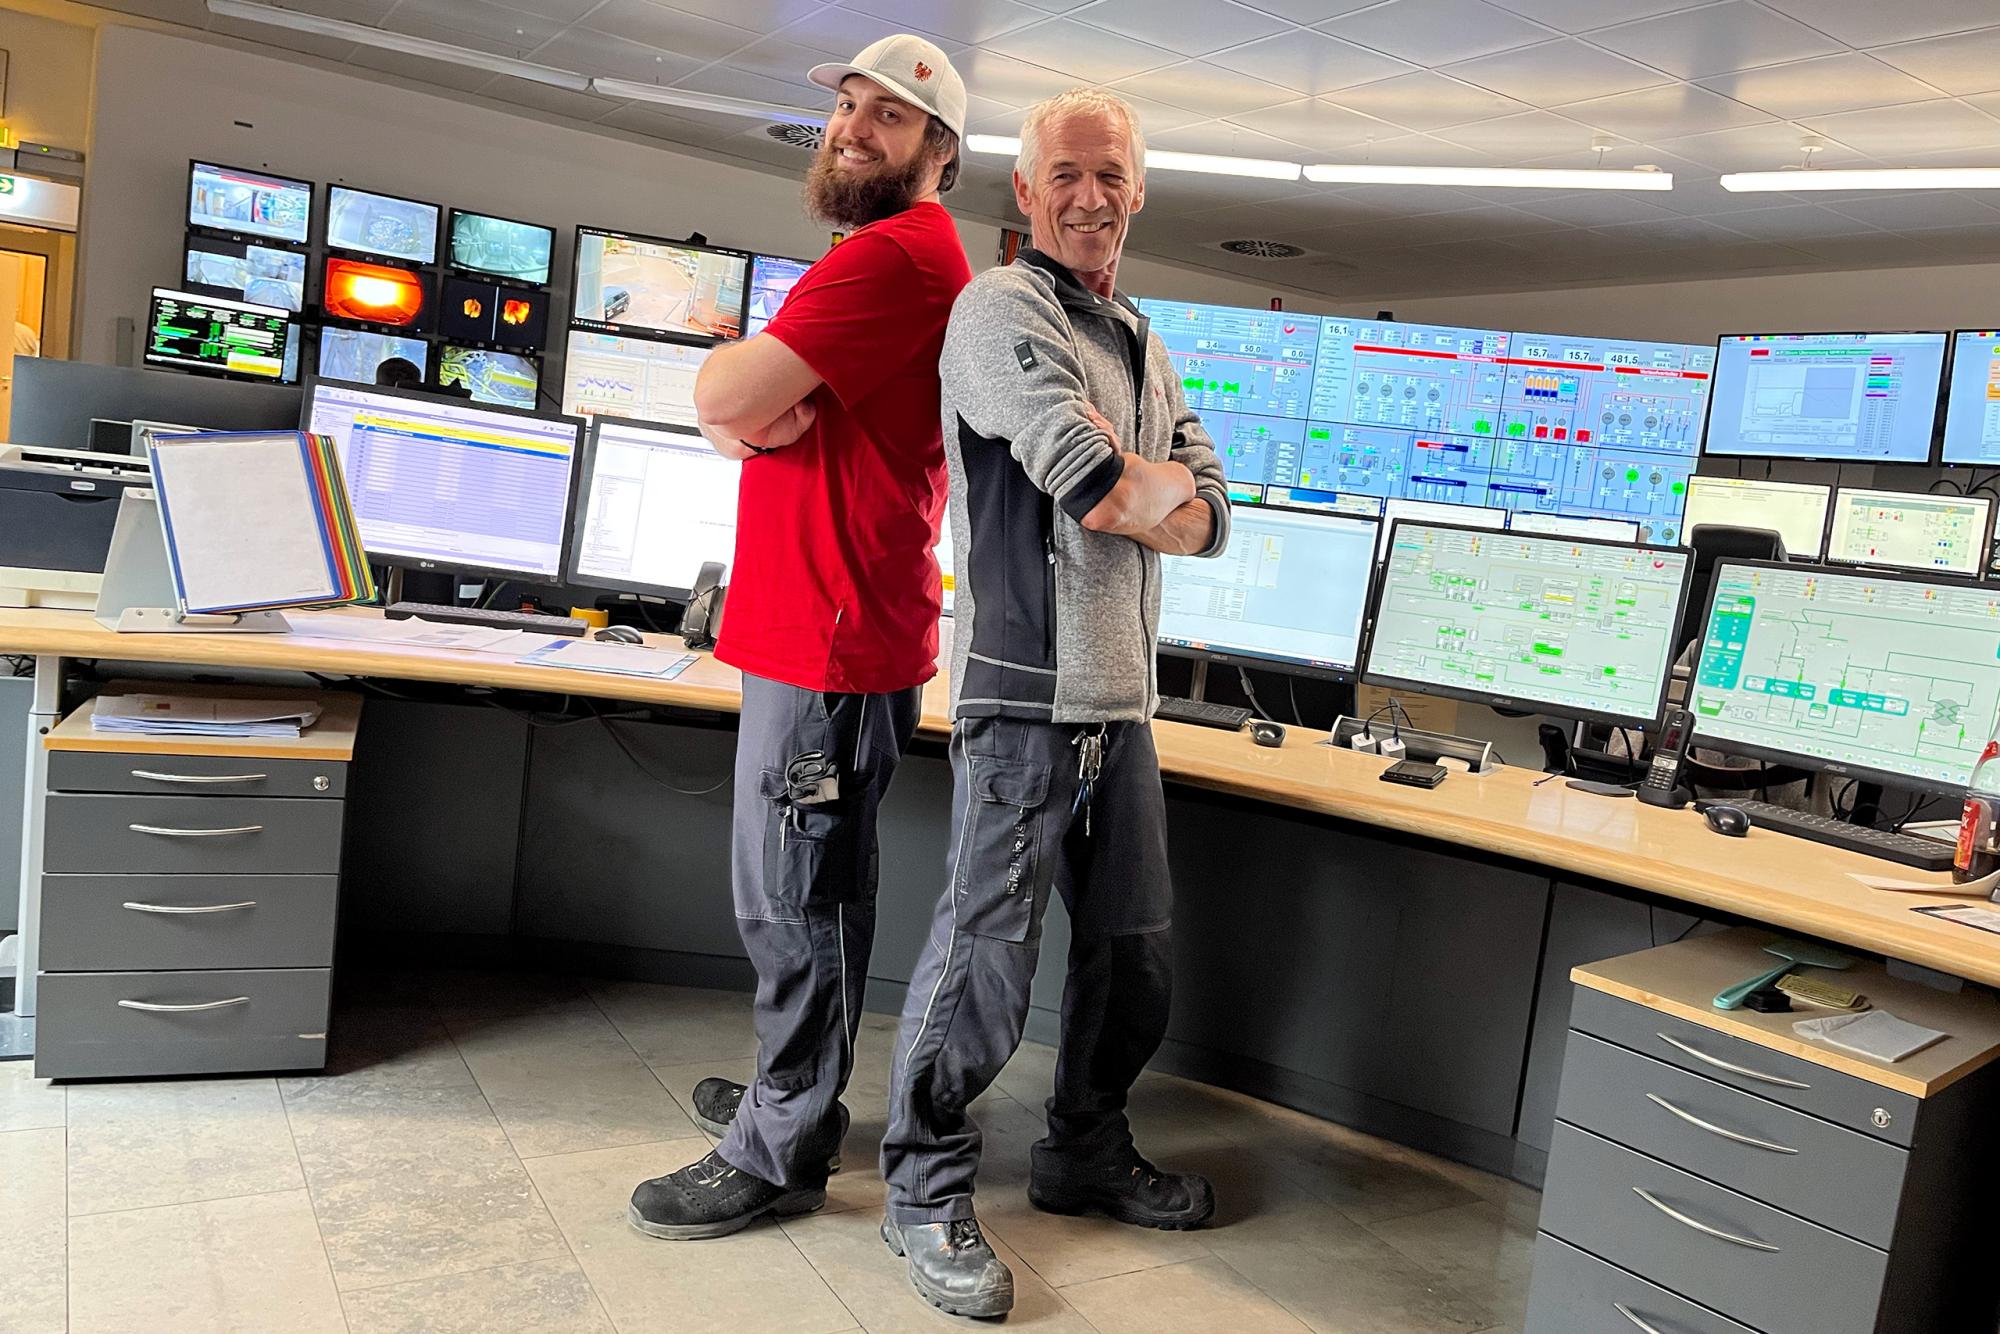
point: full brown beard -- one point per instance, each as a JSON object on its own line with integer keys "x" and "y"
{"x": 848, "y": 200}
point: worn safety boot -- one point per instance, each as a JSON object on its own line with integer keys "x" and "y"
{"x": 710, "y": 1198}
{"x": 953, "y": 1268}
{"x": 1126, "y": 1188}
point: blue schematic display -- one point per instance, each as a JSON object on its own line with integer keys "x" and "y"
{"x": 1972, "y": 409}
{"x": 1527, "y": 422}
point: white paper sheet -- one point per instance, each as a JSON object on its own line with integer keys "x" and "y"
{"x": 621, "y": 659}
{"x": 243, "y": 521}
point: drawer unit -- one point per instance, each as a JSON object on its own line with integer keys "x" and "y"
{"x": 181, "y": 835}
{"x": 118, "y": 923}
{"x": 1828, "y": 1094}
{"x": 194, "y": 775}
{"x": 1724, "y": 1250}
{"x": 129, "y": 1024}
{"x": 1575, "y": 1290}
{"x": 1848, "y": 1181}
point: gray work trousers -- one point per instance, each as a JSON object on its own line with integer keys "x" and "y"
{"x": 804, "y": 885}
{"x": 1023, "y": 825}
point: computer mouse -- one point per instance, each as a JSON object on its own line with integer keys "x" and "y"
{"x": 1730, "y": 820}
{"x": 618, "y": 634}
{"x": 1267, "y": 734}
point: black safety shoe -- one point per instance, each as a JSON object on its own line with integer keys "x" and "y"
{"x": 715, "y": 1103}
{"x": 712, "y": 1199}
{"x": 1127, "y": 1188}
{"x": 953, "y": 1268}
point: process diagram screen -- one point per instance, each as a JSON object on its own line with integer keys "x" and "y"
{"x": 1851, "y": 397}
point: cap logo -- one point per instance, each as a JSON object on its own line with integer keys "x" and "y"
{"x": 923, "y": 72}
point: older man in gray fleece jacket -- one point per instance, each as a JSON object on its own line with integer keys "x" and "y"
{"x": 1074, "y": 462}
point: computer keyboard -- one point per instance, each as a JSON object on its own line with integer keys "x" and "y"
{"x": 1202, "y": 713}
{"x": 1926, "y": 854}
{"x": 487, "y": 616}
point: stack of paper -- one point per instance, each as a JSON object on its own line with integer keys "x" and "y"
{"x": 258, "y": 520}
{"x": 173, "y": 715}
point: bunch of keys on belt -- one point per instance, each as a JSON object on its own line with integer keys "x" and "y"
{"x": 811, "y": 779}
{"x": 1089, "y": 763}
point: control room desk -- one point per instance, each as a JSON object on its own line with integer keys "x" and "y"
{"x": 1393, "y": 957}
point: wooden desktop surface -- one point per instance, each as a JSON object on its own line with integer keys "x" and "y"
{"x": 1767, "y": 877}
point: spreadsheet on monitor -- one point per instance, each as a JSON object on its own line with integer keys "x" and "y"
{"x": 1944, "y": 534}
{"x": 654, "y": 505}
{"x": 1864, "y": 672}
{"x": 1972, "y": 405}
{"x": 448, "y": 482}
{"x": 1852, "y": 397}
{"x": 1421, "y": 511}
{"x": 1575, "y": 627}
{"x": 1796, "y": 511}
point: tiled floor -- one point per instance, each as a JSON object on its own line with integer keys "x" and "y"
{"x": 465, "y": 1162}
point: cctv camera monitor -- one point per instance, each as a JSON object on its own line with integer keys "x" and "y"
{"x": 505, "y": 378}
{"x": 643, "y": 285}
{"x": 383, "y": 226}
{"x": 193, "y": 332}
{"x": 772, "y": 278}
{"x": 354, "y": 354}
{"x": 499, "y": 248}
{"x": 363, "y": 293}
{"x": 241, "y": 203}
{"x": 262, "y": 275}
{"x": 471, "y": 311}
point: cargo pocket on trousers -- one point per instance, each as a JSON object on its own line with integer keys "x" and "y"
{"x": 1000, "y": 867}
{"x": 802, "y": 850}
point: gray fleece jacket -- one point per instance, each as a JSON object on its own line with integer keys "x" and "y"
{"x": 1053, "y": 622}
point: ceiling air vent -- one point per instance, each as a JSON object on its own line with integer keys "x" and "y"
{"x": 798, "y": 136}
{"x": 1263, "y": 249}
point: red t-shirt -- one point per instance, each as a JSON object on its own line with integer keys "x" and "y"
{"x": 835, "y": 586}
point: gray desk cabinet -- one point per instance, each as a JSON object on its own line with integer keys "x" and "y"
{"x": 1711, "y": 1172}
{"x": 189, "y": 904}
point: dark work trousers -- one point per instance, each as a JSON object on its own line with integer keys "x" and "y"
{"x": 1024, "y": 823}
{"x": 804, "y": 878}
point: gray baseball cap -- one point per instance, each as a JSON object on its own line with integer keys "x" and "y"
{"x": 910, "y": 67}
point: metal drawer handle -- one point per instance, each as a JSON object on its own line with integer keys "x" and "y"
{"x": 194, "y": 833}
{"x": 199, "y": 778}
{"x": 1721, "y": 1064}
{"x": 1622, "y": 1309}
{"x": 211, "y": 907}
{"x": 1700, "y": 1124}
{"x": 1700, "y": 1226}
{"x": 151, "y": 1008}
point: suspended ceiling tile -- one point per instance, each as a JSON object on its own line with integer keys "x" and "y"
{"x": 1188, "y": 27}
{"x": 1531, "y": 134}
{"x": 1423, "y": 150}
{"x": 562, "y": 11}
{"x": 1437, "y": 32}
{"x": 1594, "y": 208}
{"x": 776, "y": 58}
{"x": 844, "y": 33}
{"x": 1771, "y": 146}
{"x": 474, "y": 23}
{"x": 1917, "y": 212}
{"x": 1793, "y": 222}
{"x": 1982, "y": 242}
{"x": 721, "y": 81}
{"x": 1427, "y": 101}
{"x": 1849, "y": 81}
{"x": 1874, "y": 23}
{"x": 1716, "y": 39}
{"x": 1310, "y": 62}
{"x": 1565, "y": 70}
{"x": 327, "y": 48}
{"x": 1890, "y": 133}
{"x": 1225, "y": 137}
{"x": 1575, "y": 16}
{"x": 699, "y": 39}
{"x": 1317, "y": 125}
{"x": 757, "y": 15}
{"x": 369, "y": 12}
{"x": 1205, "y": 88}
{"x": 432, "y": 73}
{"x": 1076, "y": 48}
{"x": 1310, "y": 11}
{"x": 1966, "y": 63}
{"x": 1869, "y": 250}
{"x": 1005, "y": 79}
{"x": 966, "y": 21}
{"x": 588, "y": 51}
{"x": 670, "y": 124}
{"x": 1654, "y": 114}
{"x": 541, "y": 97}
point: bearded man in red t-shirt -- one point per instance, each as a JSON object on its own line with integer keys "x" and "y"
{"x": 832, "y": 616}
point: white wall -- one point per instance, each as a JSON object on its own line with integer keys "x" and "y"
{"x": 163, "y": 99}
{"x": 48, "y": 79}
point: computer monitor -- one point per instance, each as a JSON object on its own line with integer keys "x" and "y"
{"x": 1886, "y": 677}
{"x": 1937, "y": 533}
{"x": 1795, "y": 511}
{"x": 1425, "y": 511}
{"x": 473, "y": 311}
{"x": 384, "y": 226}
{"x": 608, "y": 376}
{"x": 194, "y": 332}
{"x": 1839, "y": 397}
{"x": 442, "y": 483}
{"x": 354, "y": 354}
{"x": 1352, "y": 503}
{"x": 626, "y": 284}
{"x": 653, "y": 503}
{"x": 1569, "y": 525}
{"x": 771, "y": 280}
{"x": 499, "y": 247}
{"x": 507, "y": 379}
{"x": 242, "y": 203}
{"x": 1562, "y": 625}
{"x": 1290, "y": 592}
{"x": 947, "y": 565}
{"x": 365, "y": 293}
{"x": 245, "y": 271}
{"x": 1239, "y": 359}
{"x": 1609, "y": 392}
{"x": 1972, "y": 405}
